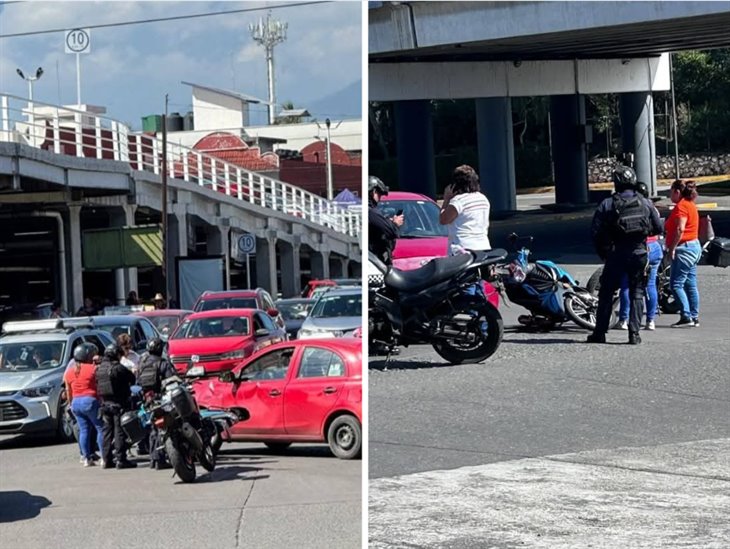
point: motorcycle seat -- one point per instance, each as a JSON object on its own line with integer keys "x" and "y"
{"x": 435, "y": 271}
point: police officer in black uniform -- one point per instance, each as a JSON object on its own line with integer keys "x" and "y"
{"x": 152, "y": 370}
{"x": 114, "y": 381}
{"x": 383, "y": 232}
{"x": 619, "y": 230}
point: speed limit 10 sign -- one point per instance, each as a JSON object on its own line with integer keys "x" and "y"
{"x": 78, "y": 41}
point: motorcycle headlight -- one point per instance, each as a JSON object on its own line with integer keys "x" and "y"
{"x": 39, "y": 391}
{"x": 234, "y": 354}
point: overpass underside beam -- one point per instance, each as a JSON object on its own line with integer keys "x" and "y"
{"x": 414, "y": 142}
{"x": 568, "y": 127}
{"x": 496, "y": 152}
{"x": 637, "y": 134}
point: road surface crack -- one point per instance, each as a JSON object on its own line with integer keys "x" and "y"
{"x": 240, "y": 515}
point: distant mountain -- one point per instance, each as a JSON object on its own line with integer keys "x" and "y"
{"x": 345, "y": 103}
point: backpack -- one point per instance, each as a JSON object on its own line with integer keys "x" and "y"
{"x": 631, "y": 218}
{"x": 148, "y": 377}
{"x": 104, "y": 386}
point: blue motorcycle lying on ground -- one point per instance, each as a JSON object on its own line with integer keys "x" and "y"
{"x": 546, "y": 290}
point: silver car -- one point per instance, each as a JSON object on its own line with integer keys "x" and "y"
{"x": 33, "y": 359}
{"x": 337, "y": 313}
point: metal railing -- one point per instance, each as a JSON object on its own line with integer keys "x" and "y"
{"x": 65, "y": 130}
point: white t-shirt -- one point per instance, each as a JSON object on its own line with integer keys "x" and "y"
{"x": 131, "y": 361}
{"x": 469, "y": 229}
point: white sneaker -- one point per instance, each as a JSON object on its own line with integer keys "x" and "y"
{"x": 650, "y": 325}
{"x": 623, "y": 325}
{"x": 82, "y": 459}
{"x": 89, "y": 463}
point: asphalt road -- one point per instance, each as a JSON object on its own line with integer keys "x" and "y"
{"x": 304, "y": 498}
{"x": 556, "y": 443}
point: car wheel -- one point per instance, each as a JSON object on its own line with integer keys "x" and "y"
{"x": 277, "y": 446}
{"x": 67, "y": 430}
{"x": 344, "y": 437}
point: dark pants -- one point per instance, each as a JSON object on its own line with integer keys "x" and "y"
{"x": 157, "y": 454}
{"x": 631, "y": 263}
{"x": 114, "y": 439}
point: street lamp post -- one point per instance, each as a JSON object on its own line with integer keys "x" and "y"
{"x": 330, "y": 190}
{"x": 30, "y": 80}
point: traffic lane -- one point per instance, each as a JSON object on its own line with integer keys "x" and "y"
{"x": 544, "y": 394}
{"x": 302, "y": 496}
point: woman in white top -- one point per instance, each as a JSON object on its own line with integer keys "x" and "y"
{"x": 466, "y": 212}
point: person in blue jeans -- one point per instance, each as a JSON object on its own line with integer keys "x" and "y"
{"x": 80, "y": 384}
{"x": 655, "y": 256}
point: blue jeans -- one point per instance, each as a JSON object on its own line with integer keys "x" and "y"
{"x": 86, "y": 410}
{"x": 652, "y": 296}
{"x": 683, "y": 279}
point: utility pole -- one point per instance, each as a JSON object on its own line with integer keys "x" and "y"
{"x": 330, "y": 189}
{"x": 268, "y": 34}
{"x": 165, "y": 278}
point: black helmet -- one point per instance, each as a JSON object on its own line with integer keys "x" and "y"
{"x": 113, "y": 351}
{"x": 624, "y": 178}
{"x": 85, "y": 352}
{"x": 155, "y": 346}
{"x": 375, "y": 184}
{"x": 642, "y": 189}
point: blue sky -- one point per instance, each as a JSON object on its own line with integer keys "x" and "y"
{"x": 130, "y": 68}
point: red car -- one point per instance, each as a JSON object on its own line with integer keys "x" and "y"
{"x": 258, "y": 298}
{"x": 219, "y": 339}
{"x": 165, "y": 320}
{"x": 422, "y": 237}
{"x": 298, "y": 391}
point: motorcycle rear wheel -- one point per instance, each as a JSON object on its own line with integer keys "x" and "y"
{"x": 486, "y": 347}
{"x": 579, "y": 312}
{"x": 207, "y": 457}
{"x": 183, "y": 464}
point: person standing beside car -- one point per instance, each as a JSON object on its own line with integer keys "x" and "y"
{"x": 382, "y": 231}
{"x": 685, "y": 251}
{"x": 114, "y": 383}
{"x": 465, "y": 210}
{"x": 81, "y": 392}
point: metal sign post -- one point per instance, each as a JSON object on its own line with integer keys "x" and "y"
{"x": 246, "y": 245}
{"x": 78, "y": 41}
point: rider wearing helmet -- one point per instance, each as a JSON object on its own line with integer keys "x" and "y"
{"x": 152, "y": 370}
{"x": 114, "y": 382}
{"x": 620, "y": 227}
{"x": 383, "y": 232}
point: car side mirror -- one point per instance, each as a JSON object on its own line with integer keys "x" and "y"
{"x": 227, "y": 377}
{"x": 261, "y": 332}
{"x": 272, "y": 312}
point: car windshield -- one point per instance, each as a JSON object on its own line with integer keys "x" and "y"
{"x": 36, "y": 355}
{"x": 165, "y": 324}
{"x": 214, "y": 326}
{"x": 295, "y": 310}
{"x": 227, "y": 303}
{"x": 420, "y": 217}
{"x": 330, "y": 306}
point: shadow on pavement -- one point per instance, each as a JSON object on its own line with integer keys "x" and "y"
{"x": 406, "y": 365}
{"x": 27, "y": 441}
{"x": 305, "y": 450}
{"x": 20, "y": 505}
{"x": 542, "y": 341}
{"x": 233, "y": 472}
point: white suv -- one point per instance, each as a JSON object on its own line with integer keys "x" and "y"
{"x": 33, "y": 358}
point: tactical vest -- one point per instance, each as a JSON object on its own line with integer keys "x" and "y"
{"x": 148, "y": 374}
{"x": 104, "y": 385}
{"x": 631, "y": 218}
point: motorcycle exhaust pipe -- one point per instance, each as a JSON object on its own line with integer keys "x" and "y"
{"x": 192, "y": 436}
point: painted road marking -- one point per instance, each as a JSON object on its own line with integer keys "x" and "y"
{"x": 662, "y": 496}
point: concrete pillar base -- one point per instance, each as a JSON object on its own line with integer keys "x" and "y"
{"x": 567, "y": 122}
{"x": 414, "y": 142}
{"x": 266, "y": 268}
{"x": 291, "y": 279}
{"x": 496, "y": 152}
{"x": 75, "y": 264}
{"x": 636, "y": 110}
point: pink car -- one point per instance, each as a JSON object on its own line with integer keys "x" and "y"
{"x": 422, "y": 236}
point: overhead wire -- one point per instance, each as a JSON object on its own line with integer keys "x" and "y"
{"x": 170, "y": 18}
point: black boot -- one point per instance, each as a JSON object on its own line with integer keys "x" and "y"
{"x": 126, "y": 464}
{"x": 634, "y": 338}
{"x": 596, "y": 338}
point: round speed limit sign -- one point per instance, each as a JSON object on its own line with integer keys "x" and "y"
{"x": 78, "y": 41}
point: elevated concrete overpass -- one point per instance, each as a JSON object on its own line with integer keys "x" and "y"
{"x": 493, "y": 51}
{"x": 82, "y": 172}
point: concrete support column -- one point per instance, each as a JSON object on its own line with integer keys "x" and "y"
{"x": 177, "y": 246}
{"x": 496, "y": 152}
{"x": 119, "y": 219}
{"x": 75, "y": 265}
{"x": 414, "y": 144}
{"x": 320, "y": 264}
{"x": 291, "y": 270}
{"x": 567, "y": 124}
{"x": 266, "y": 263}
{"x": 131, "y": 273}
{"x": 636, "y": 110}
{"x": 335, "y": 266}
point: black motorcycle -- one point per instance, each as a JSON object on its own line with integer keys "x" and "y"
{"x": 442, "y": 303}
{"x": 186, "y": 434}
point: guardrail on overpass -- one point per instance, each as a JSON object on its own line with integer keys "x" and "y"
{"x": 65, "y": 130}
